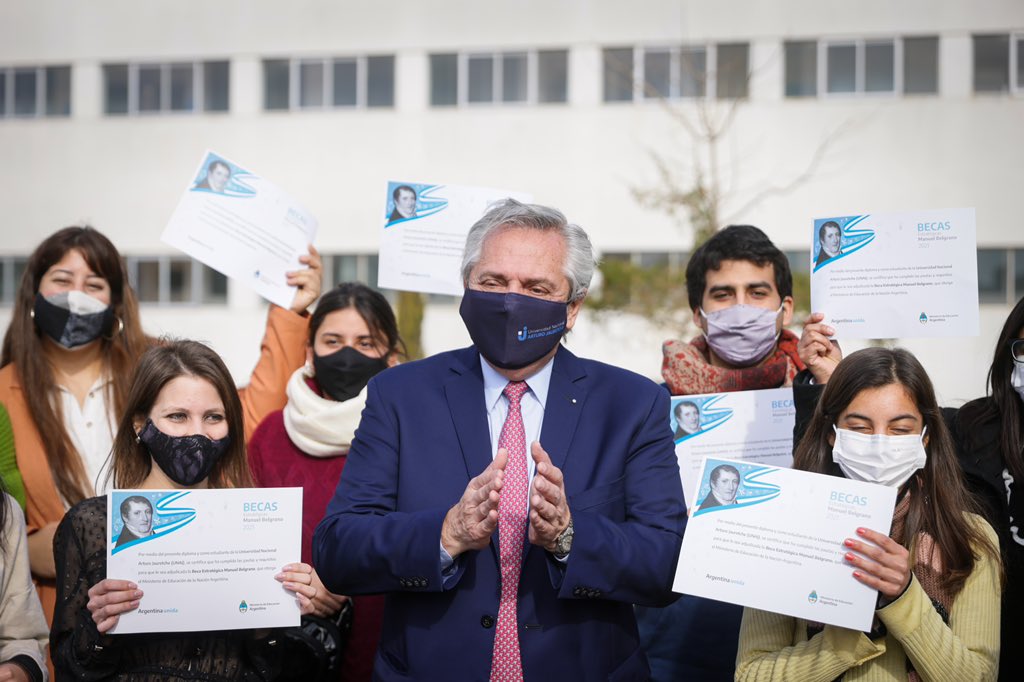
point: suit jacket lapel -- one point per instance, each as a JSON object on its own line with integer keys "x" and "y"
{"x": 465, "y": 393}
{"x": 567, "y": 393}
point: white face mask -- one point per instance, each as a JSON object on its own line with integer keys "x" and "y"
{"x": 877, "y": 458}
{"x": 1017, "y": 379}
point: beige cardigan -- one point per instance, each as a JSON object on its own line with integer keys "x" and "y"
{"x": 23, "y": 628}
{"x": 775, "y": 647}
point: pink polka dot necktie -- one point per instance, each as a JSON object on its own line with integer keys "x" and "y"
{"x": 506, "y": 663}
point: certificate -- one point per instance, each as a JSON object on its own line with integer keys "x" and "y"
{"x": 242, "y": 226}
{"x": 897, "y": 275}
{"x": 205, "y": 559}
{"x": 772, "y": 538}
{"x": 424, "y": 234}
{"x": 754, "y": 426}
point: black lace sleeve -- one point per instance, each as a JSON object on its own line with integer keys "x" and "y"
{"x": 78, "y": 650}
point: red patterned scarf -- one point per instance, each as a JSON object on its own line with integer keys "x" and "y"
{"x": 687, "y": 370}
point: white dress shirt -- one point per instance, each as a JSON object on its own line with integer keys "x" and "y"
{"x": 91, "y": 427}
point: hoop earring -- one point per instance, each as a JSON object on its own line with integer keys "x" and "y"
{"x": 120, "y": 328}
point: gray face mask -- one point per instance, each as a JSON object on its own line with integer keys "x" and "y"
{"x": 72, "y": 318}
{"x": 742, "y": 335}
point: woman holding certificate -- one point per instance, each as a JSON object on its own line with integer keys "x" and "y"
{"x": 937, "y": 572}
{"x": 182, "y": 429}
{"x": 73, "y": 340}
{"x": 353, "y": 336}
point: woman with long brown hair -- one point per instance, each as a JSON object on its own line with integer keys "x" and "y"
{"x": 937, "y": 571}
{"x": 71, "y": 346}
{"x": 181, "y": 429}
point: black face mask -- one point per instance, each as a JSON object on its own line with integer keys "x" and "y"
{"x": 54, "y": 317}
{"x": 344, "y": 373}
{"x": 512, "y": 330}
{"x": 186, "y": 460}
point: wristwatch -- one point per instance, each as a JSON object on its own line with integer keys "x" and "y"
{"x": 563, "y": 543}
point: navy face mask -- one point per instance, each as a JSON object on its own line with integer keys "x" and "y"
{"x": 186, "y": 460}
{"x": 73, "y": 319}
{"x": 512, "y": 330}
{"x": 344, "y": 373}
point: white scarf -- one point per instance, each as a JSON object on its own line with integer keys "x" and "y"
{"x": 320, "y": 427}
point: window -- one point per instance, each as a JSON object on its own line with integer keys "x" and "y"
{"x": 35, "y": 91}
{"x": 340, "y": 82}
{"x": 175, "y": 280}
{"x": 801, "y": 68}
{"x": 1018, "y": 275}
{"x": 340, "y": 268}
{"x": 524, "y": 77}
{"x": 992, "y": 275}
{"x": 999, "y": 63}
{"x": 180, "y": 87}
{"x": 673, "y": 72}
{"x": 11, "y": 269}
{"x": 799, "y": 261}
{"x": 920, "y": 66}
{"x": 849, "y": 67}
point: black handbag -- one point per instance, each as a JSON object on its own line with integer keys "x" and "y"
{"x": 313, "y": 650}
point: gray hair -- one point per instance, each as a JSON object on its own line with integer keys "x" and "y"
{"x": 579, "y": 258}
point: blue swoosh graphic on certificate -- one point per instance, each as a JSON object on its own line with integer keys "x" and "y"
{"x": 711, "y": 417}
{"x": 853, "y": 240}
{"x": 755, "y": 491}
{"x": 176, "y": 518}
{"x": 426, "y": 205}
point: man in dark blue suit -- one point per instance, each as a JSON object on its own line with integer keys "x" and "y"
{"x": 570, "y": 460}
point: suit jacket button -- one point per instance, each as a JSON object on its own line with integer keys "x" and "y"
{"x": 486, "y": 621}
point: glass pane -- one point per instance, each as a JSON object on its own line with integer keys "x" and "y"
{"x": 371, "y": 270}
{"x": 181, "y": 280}
{"x": 657, "y": 74}
{"x": 879, "y": 67}
{"x": 1018, "y": 274}
{"x": 991, "y": 63}
{"x": 693, "y": 76}
{"x": 799, "y": 261}
{"x": 481, "y": 79}
{"x": 216, "y": 86}
{"x": 920, "y": 65}
{"x": 215, "y": 286}
{"x": 311, "y": 84}
{"x": 513, "y": 78}
{"x": 20, "y": 265}
{"x": 345, "y": 82}
{"x": 115, "y": 79}
{"x": 444, "y": 79}
{"x": 346, "y": 269}
{"x": 553, "y": 76}
{"x": 24, "y": 92}
{"x": 802, "y": 68}
{"x": 182, "y": 90}
{"x": 618, "y": 74}
{"x": 650, "y": 260}
{"x": 992, "y": 275}
{"x": 6, "y": 293}
{"x": 58, "y": 91}
{"x": 275, "y": 84}
{"x": 842, "y": 69}
{"x": 732, "y": 70}
{"x": 147, "y": 284}
{"x": 3, "y": 93}
{"x": 380, "y": 81}
{"x": 149, "y": 88}
{"x": 1020, "y": 63}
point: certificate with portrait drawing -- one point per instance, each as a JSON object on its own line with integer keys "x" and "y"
{"x": 755, "y": 426}
{"x": 205, "y": 559}
{"x": 424, "y": 233}
{"x": 771, "y": 538}
{"x": 243, "y": 226}
{"x": 896, "y": 275}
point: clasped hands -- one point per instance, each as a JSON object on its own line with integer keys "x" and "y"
{"x": 471, "y": 522}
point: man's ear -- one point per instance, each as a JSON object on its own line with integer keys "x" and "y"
{"x": 698, "y": 320}
{"x": 573, "y": 310}
{"x": 787, "y": 311}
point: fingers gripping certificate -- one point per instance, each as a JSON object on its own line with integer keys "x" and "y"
{"x": 772, "y": 538}
{"x": 205, "y": 559}
{"x": 897, "y": 275}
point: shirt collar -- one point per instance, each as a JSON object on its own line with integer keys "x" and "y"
{"x": 101, "y": 382}
{"x": 494, "y": 383}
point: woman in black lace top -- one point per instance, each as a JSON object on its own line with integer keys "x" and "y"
{"x": 182, "y": 429}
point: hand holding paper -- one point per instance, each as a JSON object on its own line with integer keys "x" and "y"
{"x": 884, "y": 564}
{"x": 817, "y": 349}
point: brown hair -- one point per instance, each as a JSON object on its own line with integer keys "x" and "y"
{"x": 23, "y": 347}
{"x": 938, "y": 497}
{"x": 159, "y": 365}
